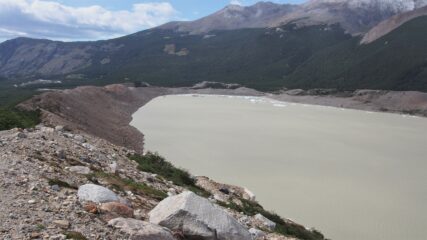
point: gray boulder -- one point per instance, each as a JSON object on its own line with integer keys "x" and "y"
{"x": 140, "y": 230}
{"x": 95, "y": 193}
{"x": 197, "y": 218}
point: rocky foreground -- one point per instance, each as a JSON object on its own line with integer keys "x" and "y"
{"x": 59, "y": 184}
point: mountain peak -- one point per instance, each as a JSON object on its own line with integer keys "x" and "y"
{"x": 234, "y": 7}
{"x": 396, "y": 5}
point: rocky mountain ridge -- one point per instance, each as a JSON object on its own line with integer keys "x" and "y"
{"x": 392, "y": 23}
{"x": 266, "y": 46}
{"x": 355, "y": 16}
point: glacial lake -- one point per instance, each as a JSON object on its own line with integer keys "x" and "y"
{"x": 354, "y": 175}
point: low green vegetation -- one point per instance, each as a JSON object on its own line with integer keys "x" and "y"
{"x": 56, "y": 181}
{"x": 154, "y": 163}
{"x": 74, "y": 235}
{"x": 397, "y": 61}
{"x": 15, "y": 118}
{"x": 283, "y": 227}
{"x": 40, "y": 227}
{"x": 124, "y": 184}
{"x": 267, "y": 60}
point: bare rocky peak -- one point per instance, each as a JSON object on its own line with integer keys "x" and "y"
{"x": 232, "y": 17}
{"x": 355, "y": 16}
{"x": 392, "y": 23}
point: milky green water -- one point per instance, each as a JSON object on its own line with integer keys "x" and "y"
{"x": 353, "y": 175}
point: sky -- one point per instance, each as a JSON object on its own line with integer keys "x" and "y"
{"x": 77, "y": 20}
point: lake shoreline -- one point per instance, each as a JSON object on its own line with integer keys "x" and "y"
{"x": 94, "y": 110}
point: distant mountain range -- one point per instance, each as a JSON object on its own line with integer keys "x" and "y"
{"x": 355, "y": 16}
{"x": 378, "y": 44}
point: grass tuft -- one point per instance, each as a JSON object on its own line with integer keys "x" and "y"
{"x": 74, "y": 235}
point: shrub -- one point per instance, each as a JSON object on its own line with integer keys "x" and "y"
{"x": 74, "y": 235}
{"x": 283, "y": 227}
{"x": 60, "y": 183}
{"x": 15, "y": 118}
{"x": 154, "y": 163}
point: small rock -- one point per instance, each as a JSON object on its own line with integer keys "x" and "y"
{"x": 46, "y": 129}
{"x": 21, "y": 135}
{"x": 244, "y": 219}
{"x": 256, "y": 233}
{"x": 90, "y": 207}
{"x": 140, "y": 230}
{"x": 59, "y": 128}
{"x": 219, "y": 197}
{"x": 248, "y": 195}
{"x": 139, "y": 214}
{"x": 224, "y": 190}
{"x": 113, "y": 167}
{"x": 267, "y": 222}
{"x": 61, "y": 154}
{"x": 32, "y": 201}
{"x": 58, "y": 237}
{"x": 85, "y": 159}
{"x": 55, "y": 188}
{"x": 80, "y": 170}
{"x": 88, "y": 146}
{"x": 35, "y": 235}
{"x": 117, "y": 208}
{"x": 96, "y": 194}
{"x": 79, "y": 138}
{"x": 62, "y": 223}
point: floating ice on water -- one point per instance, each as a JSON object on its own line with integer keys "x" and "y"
{"x": 279, "y": 105}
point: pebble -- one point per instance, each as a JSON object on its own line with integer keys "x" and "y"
{"x": 62, "y": 223}
{"x": 21, "y": 135}
{"x": 79, "y": 138}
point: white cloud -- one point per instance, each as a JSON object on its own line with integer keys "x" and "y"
{"x": 236, "y": 2}
{"x": 49, "y": 19}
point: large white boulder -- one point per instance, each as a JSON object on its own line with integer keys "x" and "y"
{"x": 197, "y": 218}
{"x": 96, "y": 193}
{"x": 140, "y": 230}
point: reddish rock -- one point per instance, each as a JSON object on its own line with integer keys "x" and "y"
{"x": 117, "y": 208}
{"x": 91, "y": 208}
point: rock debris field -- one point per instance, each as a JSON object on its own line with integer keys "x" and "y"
{"x": 56, "y": 184}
